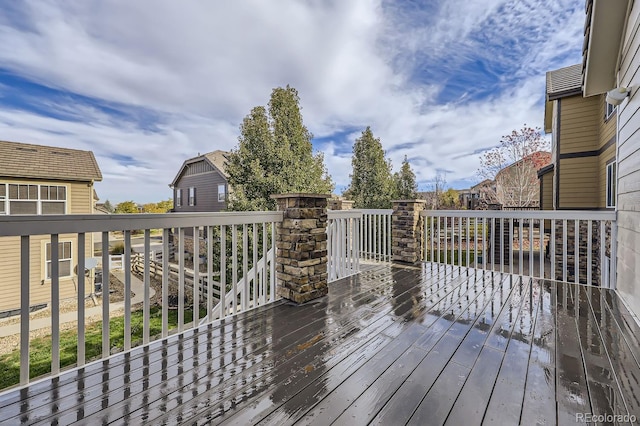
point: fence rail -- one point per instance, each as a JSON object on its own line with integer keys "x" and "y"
{"x": 375, "y": 234}
{"x": 231, "y": 247}
{"x": 572, "y": 246}
{"x": 343, "y": 238}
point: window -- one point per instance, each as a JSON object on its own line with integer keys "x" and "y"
{"x": 32, "y": 199}
{"x": 609, "y": 110}
{"x": 222, "y": 193}
{"x": 192, "y": 196}
{"x": 611, "y": 184}
{"x": 64, "y": 259}
{"x": 178, "y": 197}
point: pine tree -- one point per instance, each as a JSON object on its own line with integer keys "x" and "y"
{"x": 274, "y": 155}
{"x": 372, "y": 184}
{"x": 406, "y": 186}
{"x": 108, "y": 207}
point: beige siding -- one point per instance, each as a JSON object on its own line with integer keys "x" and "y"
{"x": 603, "y": 159}
{"x": 628, "y": 259}
{"x": 607, "y": 128}
{"x": 578, "y": 182}
{"x": 79, "y": 200}
{"x": 579, "y": 124}
{"x": 547, "y": 191}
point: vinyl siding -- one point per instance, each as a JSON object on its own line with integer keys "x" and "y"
{"x": 578, "y": 183}
{"x": 579, "y": 124}
{"x": 206, "y": 185}
{"x": 628, "y": 259}
{"x": 79, "y": 200}
{"x": 603, "y": 159}
{"x": 547, "y": 191}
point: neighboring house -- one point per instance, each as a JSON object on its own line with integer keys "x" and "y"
{"x": 201, "y": 184}
{"x": 482, "y": 194}
{"x": 43, "y": 180}
{"x": 517, "y": 185}
{"x": 611, "y": 60}
{"x": 583, "y": 132}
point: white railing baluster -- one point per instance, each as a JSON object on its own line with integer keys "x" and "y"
{"x": 530, "y": 247}
{"x": 502, "y": 245}
{"x": 446, "y": 242}
{"x": 459, "y": 243}
{"x": 126, "y": 266}
{"x": 553, "y": 249}
{"x": 273, "y": 262}
{"x": 541, "y": 250}
{"x": 181, "y": 280}
{"x": 244, "y": 298}
{"x": 263, "y": 283}
{"x": 146, "y": 303}
{"x": 81, "y": 293}
{"x": 165, "y": 282}
{"x": 603, "y": 253}
{"x": 511, "y": 245}
{"x": 614, "y": 255}
{"x": 521, "y": 244}
{"x": 589, "y": 248}
{"x": 564, "y": 250}
{"x": 196, "y": 277}
{"x": 493, "y": 244}
{"x": 439, "y": 238}
{"x": 576, "y": 251}
{"x": 223, "y": 270}
{"x": 24, "y": 308}
{"x": 55, "y": 305}
{"x": 234, "y": 269}
{"x": 484, "y": 243}
{"x": 106, "y": 347}
{"x": 256, "y": 283}
{"x": 467, "y": 243}
{"x": 210, "y": 243}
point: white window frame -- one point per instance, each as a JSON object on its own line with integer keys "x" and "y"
{"x": 3, "y": 200}
{"x": 609, "y": 110}
{"x": 38, "y": 199}
{"x": 47, "y": 262}
{"x": 179, "y": 197}
{"x": 192, "y": 196}
{"x": 222, "y": 195}
{"x": 611, "y": 196}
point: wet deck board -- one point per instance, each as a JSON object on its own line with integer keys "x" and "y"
{"x": 393, "y": 345}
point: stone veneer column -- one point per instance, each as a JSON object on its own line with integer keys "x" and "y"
{"x": 407, "y": 231}
{"x": 339, "y": 204}
{"x": 301, "y": 244}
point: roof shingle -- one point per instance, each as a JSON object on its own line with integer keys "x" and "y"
{"x": 21, "y": 160}
{"x": 565, "y": 81}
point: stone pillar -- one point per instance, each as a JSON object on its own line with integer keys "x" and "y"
{"x": 301, "y": 244}
{"x": 407, "y": 231}
{"x": 340, "y": 204}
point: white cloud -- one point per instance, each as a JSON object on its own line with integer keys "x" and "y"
{"x": 185, "y": 73}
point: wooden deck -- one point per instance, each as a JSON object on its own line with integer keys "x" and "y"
{"x": 436, "y": 345}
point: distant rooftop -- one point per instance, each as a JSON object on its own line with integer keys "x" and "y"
{"x": 21, "y": 160}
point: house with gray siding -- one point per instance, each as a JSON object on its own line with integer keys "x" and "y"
{"x": 201, "y": 184}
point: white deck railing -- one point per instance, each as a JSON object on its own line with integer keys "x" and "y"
{"x": 572, "y": 246}
{"x": 375, "y": 234}
{"x": 343, "y": 243}
{"x": 233, "y": 244}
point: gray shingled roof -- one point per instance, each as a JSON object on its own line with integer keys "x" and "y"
{"x": 566, "y": 81}
{"x": 21, "y": 160}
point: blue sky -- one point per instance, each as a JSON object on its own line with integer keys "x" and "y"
{"x": 147, "y": 84}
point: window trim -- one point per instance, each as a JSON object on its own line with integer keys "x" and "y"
{"x": 610, "y": 193}
{"x": 609, "y": 113}
{"x": 192, "y": 196}
{"x": 38, "y": 198}
{"x": 223, "y": 193}
{"x": 178, "y": 197}
{"x": 60, "y": 259}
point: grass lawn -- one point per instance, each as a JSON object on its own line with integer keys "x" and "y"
{"x": 40, "y": 348}
{"x": 455, "y": 257}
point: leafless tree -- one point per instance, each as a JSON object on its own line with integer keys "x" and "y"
{"x": 513, "y": 164}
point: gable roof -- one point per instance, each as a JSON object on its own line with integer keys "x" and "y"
{"x": 564, "y": 82}
{"x": 538, "y": 160}
{"x": 22, "y": 160}
{"x": 216, "y": 159}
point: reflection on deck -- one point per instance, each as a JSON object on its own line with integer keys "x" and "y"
{"x": 393, "y": 345}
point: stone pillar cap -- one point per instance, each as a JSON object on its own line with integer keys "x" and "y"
{"x": 416, "y": 200}
{"x": 299, "y": 195}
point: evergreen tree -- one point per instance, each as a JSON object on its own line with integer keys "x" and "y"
{"x": 406, "y": 186}
{"x": 108, "y": 207}
{"x": 372, "y": 184}
{"x": 274, "y": 155}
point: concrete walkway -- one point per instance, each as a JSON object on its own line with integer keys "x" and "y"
{"x": 137, "y": 288}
